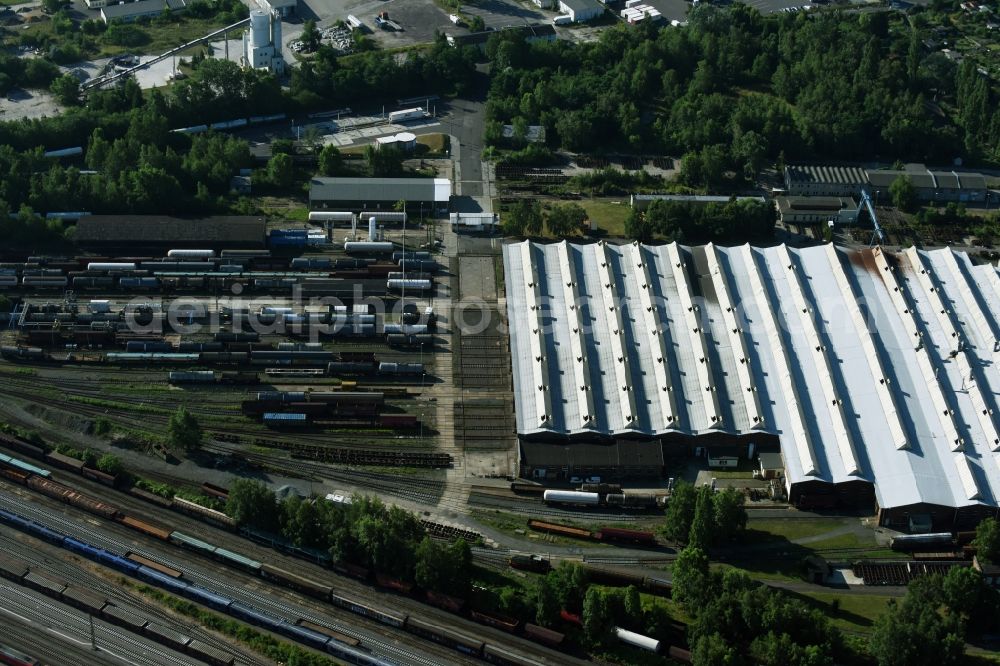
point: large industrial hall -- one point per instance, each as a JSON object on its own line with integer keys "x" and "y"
{"x": 872, "y": 371}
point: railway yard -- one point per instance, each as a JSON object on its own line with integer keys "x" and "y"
{"x": 338, "y": 371}
{"x": 378, "y": 368}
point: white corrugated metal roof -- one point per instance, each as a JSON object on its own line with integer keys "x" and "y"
{"x": 865, "y": 366}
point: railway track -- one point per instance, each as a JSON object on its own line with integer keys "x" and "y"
{"x": 115, "y": 593}
{"x": 191, "y": 566}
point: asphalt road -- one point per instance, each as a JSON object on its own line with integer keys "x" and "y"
{"x": 465, "y": 120}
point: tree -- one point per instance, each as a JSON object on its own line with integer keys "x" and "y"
{"x": 252, "y": 503}
{"x": 310, "y": 37}
{"x": 638, "y": 226}
{"x": 52, "y": 6}
{"x": 183, "y": 430}
{"x": 713, "y": 650}
{"x": 546, "y": 603}
{"x": 523, "y": 218}
{"x": 987, "y": 541}
{"x": 281, "y": 170}
{"x": 330, "y": 160}
{"x": 565, "y": 219}
{"x": 633, "y": 605}
{"x": 691, "y": 577}
{"x": 598, "y": 624}
{"x": 66, "y": 89}
{"x": 477, "y": 24}
{"x": 703, "y": 524}
{"x": 912, "y": 633}
{"x": 904, "y": 194}
{"x": 110, "y": 464}
{"x": 680, "y": 512}
{"x": 730, "y": 514}
{"x": 384, "y": 161}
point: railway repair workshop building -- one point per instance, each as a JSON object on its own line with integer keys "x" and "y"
{"x": 154, "y": 233}
{"x": 873, "y": 373}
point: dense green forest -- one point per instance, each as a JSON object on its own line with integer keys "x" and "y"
{"x": 734, "y": 89}
{"x": 133, "y": 163}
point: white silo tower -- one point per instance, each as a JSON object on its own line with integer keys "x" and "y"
{"x": 262, "y": 42}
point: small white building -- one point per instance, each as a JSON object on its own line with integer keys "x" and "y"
{"x": 282, "y": 7}
{"x": 581, "y": 10}
{"x": 473, "y": 221}
{"x": 262, "y": 42}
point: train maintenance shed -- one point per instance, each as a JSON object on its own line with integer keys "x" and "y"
{"x": 874, "y": 372}
{"x": 102, "y": 233}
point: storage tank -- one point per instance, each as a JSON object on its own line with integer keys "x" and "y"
{"x": 405, "y": 329}
{"x": 260, "y": 28}
{"x": 331, "y": 216}
{"x": 410, "y": 256}
{"x": 637, "y": 640}
{"x": 413, "y": 285}
{"x": 110, "y": 266}
{"x": 191, "y": 254}
{"x": 368, "y": 247}
{"x": 571, "y": 497}
{"x": 389, "y": 216}
{"x": 372, "y": 230}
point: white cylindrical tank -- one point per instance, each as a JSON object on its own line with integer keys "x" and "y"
{"x": 390, "y": 216}
{"x": 406, "y": 140}
{"x": 372, "y": 231}
{"x": 331, "y": 216}
{"x": 413, "y": 285}
{"x": 191, "y": 254}
{"x": 571, "y": 497}
{"x": 260, "y": 28}
{"x": 368, "y": 247}
{"x": 637, "y": 640}
{"x": 276, "y": 31}
{"x": 110, "y": 267}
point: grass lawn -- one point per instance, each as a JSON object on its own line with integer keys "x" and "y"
{"x": 776, "y": 529}
{"x": 165, "y": 36}
{"x": 436, "y": 143}
{"x": 608, "y": 216}
{"x": 856, "y": 612}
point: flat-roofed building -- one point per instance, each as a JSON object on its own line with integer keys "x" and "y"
{"x": 931, "y": 186}
{"x": 360, "y": 194}
{"x": 813, "y": 211}
{"x": 824, "y": 180}
{"x": 870, "y": 371}
{"x": 158, "y": 232}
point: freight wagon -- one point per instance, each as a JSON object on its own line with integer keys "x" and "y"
{"x": 561, "y": 530}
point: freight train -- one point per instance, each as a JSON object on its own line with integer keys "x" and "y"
{"x": 580, "y": 498}
{"x": 605, "y": 534}
{"x": 453, "y": 639}
{"x": 181, "y": 588}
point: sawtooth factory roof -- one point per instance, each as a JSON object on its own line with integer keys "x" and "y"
{"x": 868, "y": 366}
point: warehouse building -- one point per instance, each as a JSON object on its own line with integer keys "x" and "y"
{"x": 814, "y": 211}
{"x": 824, "y": 181}
{"x": 580, "y": 11}
{"x": 931, "y": 186}
{"x": 642, "y": 201}
{"x": 871, "y": 372}
{"x": 360, "y": 194}
{"x": 621, "y": 458}
{"x": 128, "y": 12}
{"x": 848, "y": 181}
{"x": 102, "y": 233}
